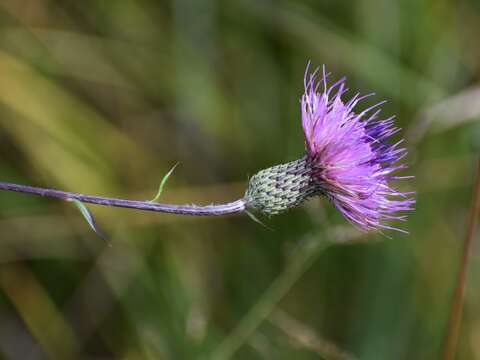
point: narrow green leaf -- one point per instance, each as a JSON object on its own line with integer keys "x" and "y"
{"x": 89, "y": 217}
{"x": 257, "y": 220}
{"x": 162, "y": 183}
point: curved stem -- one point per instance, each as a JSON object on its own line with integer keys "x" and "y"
{"x": 195, "y": 210}
{"x": 304, "y": 257}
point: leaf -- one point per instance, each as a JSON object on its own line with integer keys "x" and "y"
{"x": 89, "y": 217}
{"x": 257, "y": 220}
{"x": 162, "y": 183}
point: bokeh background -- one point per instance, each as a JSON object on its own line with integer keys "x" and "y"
{"x": 104, "y": 97}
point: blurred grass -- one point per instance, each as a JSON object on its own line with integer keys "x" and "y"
{"x": 105, "y": 97}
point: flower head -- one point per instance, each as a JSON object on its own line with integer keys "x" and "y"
{"x": 349, "y": 155}
{"x": 348, "y": 159}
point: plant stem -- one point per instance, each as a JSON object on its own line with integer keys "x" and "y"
{"x": 457, "y": 305}
{"x": 195, "y": 210}
{"x": 301, "y": 261}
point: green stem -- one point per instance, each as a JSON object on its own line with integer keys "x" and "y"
{"x": 301, "y": 261}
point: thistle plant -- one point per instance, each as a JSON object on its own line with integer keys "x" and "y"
{"x": 347, "y": 159}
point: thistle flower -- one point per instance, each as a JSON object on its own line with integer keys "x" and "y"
{"x": 347, "y": 160}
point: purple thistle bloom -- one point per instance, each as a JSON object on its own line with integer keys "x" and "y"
{"x": 351, "y": 161}
{"x": 347, "y": 159}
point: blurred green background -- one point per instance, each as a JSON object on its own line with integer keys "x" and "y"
{"x": 104, "y": 97}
